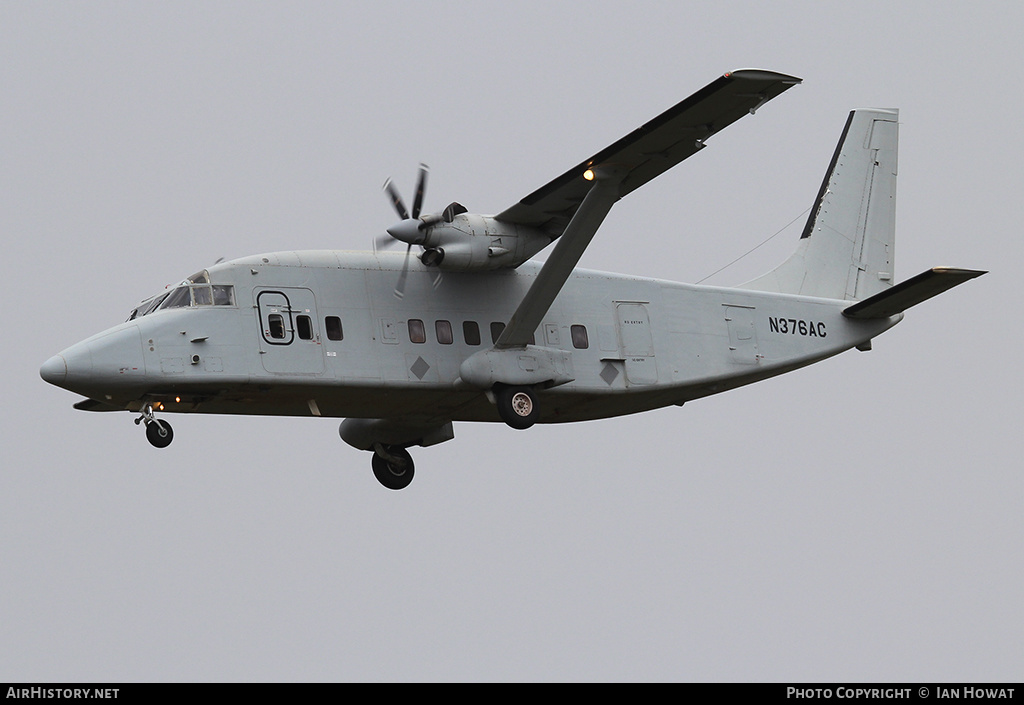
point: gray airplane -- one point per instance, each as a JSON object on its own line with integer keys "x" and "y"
{"x": 470, "y": 329}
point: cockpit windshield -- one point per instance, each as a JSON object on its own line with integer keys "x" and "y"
{"x": 194, "y": 291}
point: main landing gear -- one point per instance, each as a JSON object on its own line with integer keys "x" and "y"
{"x": 159, "y": 433}
{"x": 392, "y": 466}
{"x": 517, "y": 406}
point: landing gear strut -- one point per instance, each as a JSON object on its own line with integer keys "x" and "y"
{"x": 159, "y": 433}
{"x": 392, "y": 466}
{"x": 517, "y": 406}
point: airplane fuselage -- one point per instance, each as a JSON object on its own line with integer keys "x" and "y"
{"x": 322, "y": 333}
{"x": 468, "y": 328}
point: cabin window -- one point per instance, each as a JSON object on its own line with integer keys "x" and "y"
{"x": 496, "y": 328}
{"x": 304, "y": 327}
{"x": 443, "y": 329}
{"x": 275, "y": 322}
{"x": 471, "y": 332}
{"x": 333, "y": 326}
{"x": 417, "y": 332}
{"x": 579, "y": 337}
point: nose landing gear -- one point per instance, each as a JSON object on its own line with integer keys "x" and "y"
{"x": 159, "y": 433}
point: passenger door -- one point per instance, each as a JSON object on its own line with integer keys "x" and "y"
{"x": 289, "y": 332}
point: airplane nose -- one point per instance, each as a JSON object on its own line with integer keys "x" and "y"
{"x": 54, "y": 370}
{"x": 109, "y": 360}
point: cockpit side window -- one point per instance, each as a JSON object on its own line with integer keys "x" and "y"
{"x": 202, "y": 296}
{"x": 197, "y": 290}
{"x": 194, "y": 291}
{"x": 223, "y": 295}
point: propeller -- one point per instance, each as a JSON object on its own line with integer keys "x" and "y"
{"x": 412, "y": 228}
{"x": 408, "y": 229}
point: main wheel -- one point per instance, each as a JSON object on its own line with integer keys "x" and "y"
{"x": 159, "y": 433}
{"x": 395, "y": 473}
{"x": 517, "y": 406}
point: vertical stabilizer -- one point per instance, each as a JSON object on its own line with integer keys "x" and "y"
{"x": 847, "y": 248}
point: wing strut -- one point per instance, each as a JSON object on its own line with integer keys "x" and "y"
{"x": 559, "y": 265}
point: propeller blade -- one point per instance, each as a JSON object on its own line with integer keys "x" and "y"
{"x": 384, "y": 242}
{"x": 400, "y": 286}
{"x": 396, "y": 200}
{"x": 421, "y": 186}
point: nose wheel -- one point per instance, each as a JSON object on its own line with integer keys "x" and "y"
{"x": 158, "y": 433}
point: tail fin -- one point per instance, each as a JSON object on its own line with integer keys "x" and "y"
{"x": 847, "y": 248}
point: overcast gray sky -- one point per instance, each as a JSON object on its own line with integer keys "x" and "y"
{"x": 856, "y": 520}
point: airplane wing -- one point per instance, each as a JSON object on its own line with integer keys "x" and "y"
{"x": 653, "y": 148}
{"x": 574, "y": 205}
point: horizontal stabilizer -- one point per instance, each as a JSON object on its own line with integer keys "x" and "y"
{"x": 910, "y": 292}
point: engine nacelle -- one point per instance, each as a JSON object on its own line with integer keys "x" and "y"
{"x": 472, "y": 242}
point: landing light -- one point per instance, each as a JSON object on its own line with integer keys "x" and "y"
{"x": 588, "y": 175}
{"x": 177, "y": 399}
